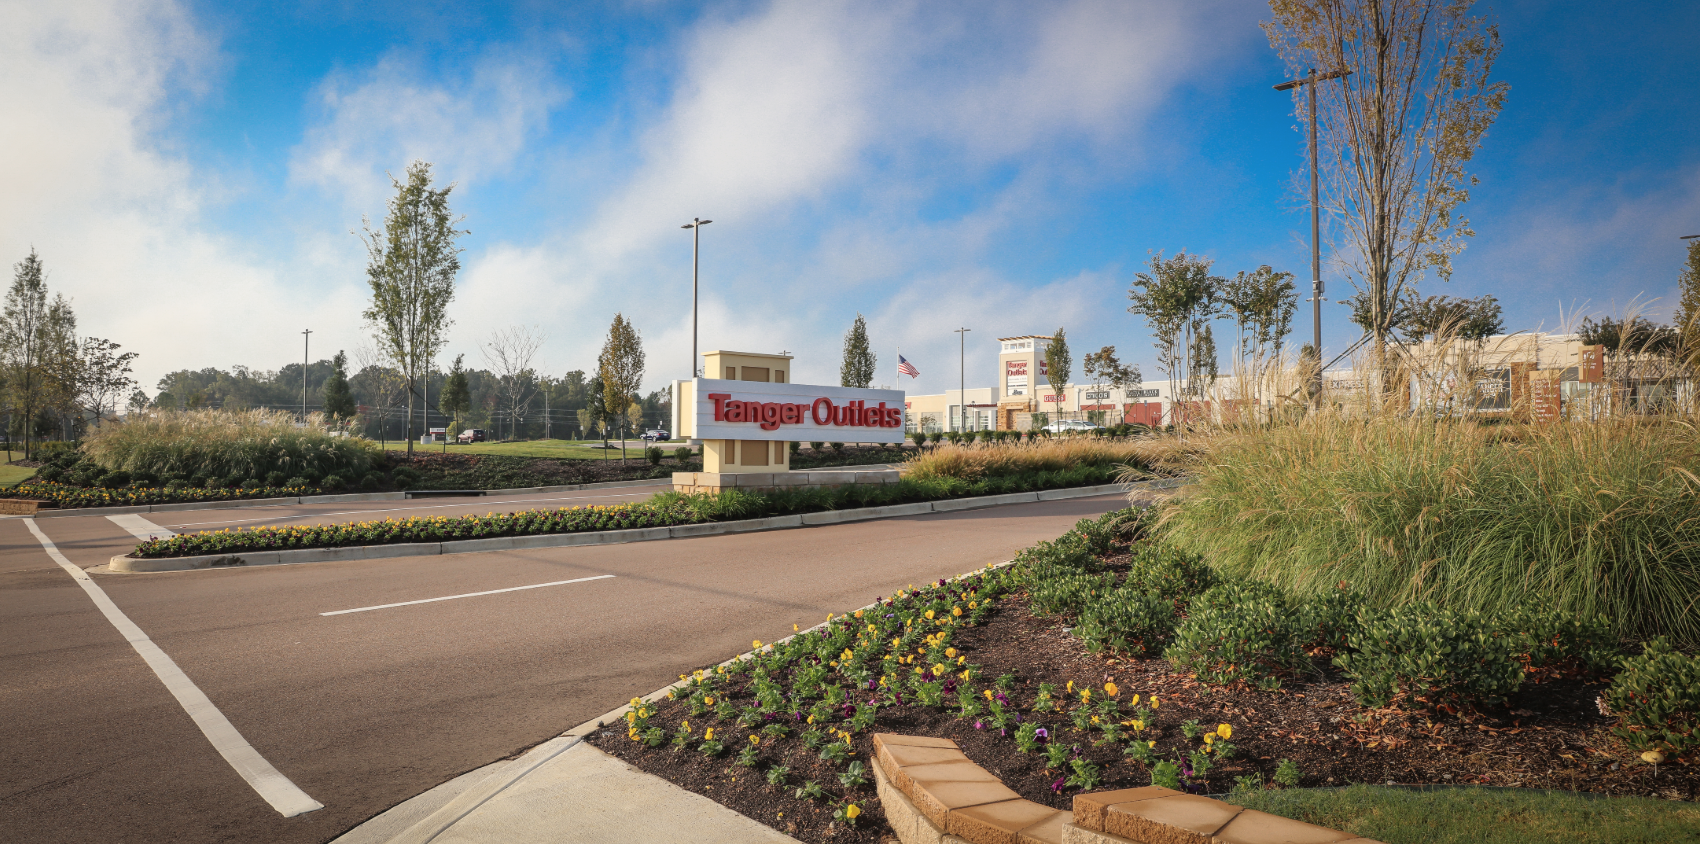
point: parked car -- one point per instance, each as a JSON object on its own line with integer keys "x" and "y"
{"x": 471, "y": 435}
{"x": 1062, "y": 426}
{"x": 657, "y": 434}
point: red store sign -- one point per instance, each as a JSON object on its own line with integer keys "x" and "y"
{"x": 770, "y": 415}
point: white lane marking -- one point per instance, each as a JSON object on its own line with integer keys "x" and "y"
{"x": 139, "y": 527}
{"x": 402, "y": 509}
{"x": 468, "y": 595}
{"x": 276, "y": 789}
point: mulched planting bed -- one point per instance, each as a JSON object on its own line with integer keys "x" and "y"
{"x": 1551, "y": 735}
{"x": 497, "y": 471}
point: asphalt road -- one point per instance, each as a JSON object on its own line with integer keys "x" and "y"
{"x": 367, "y": 709}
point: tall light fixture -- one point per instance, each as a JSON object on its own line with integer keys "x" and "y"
{"x": 695, "y": 225}
{"x": 1309, "y": 81}
{"x": 304, "y": 340}
{"x": 962, "y": 378}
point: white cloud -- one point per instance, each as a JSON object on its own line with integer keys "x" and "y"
{"x": 379, "y": 120}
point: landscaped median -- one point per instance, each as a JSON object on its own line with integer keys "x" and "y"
{"x": 666, "y": 516}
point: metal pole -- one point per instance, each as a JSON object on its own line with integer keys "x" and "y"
{"x": 962, "y": 378}
{"x": 1315, "y": 244}
{"x": 696, "y": 251}
{"x": 304, "y": 340}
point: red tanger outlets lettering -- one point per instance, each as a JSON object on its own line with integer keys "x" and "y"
{"x": 771, "y": 414}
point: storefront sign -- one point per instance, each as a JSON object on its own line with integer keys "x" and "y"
{"x": 1015, "y": 368}
{"x": 1056, "y": 399}
{"x": 1545, "y": 398}
{"x": 1097, "y": 395}
{"x": 753, "y": 410}
{"x": 1149, "y": 393}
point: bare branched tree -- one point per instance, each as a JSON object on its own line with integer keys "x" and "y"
{"x": 384, "y": 383}
{"x": 1395, "y": 135}
{"x": 510, "y": 353}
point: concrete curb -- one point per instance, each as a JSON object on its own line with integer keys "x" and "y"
{"x": 126, "y": 563}
{"x": 325, "y": 499}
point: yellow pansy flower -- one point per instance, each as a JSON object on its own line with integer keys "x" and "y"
{"x": 1224, "y": 731}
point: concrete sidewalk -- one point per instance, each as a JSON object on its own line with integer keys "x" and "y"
{"x": 563, "y": 790}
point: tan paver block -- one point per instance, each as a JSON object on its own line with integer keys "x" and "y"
{"x": 1081, "y": 835}
{"x": 1254, "y": 827}
{"x": 996, "y": 823}
{"x": 1178, "y": 819}
{"x": 900, "y": 812}
{"x": 911, "y": 777}
{"x": 883, "y": 739}
{"x": 1089, "y": 808}
{"x": 1047, "y": 831}
{"x": 935, "y": 800}
{"x": 897, "y": 757}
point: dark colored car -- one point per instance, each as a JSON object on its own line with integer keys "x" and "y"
{"x": 657, "y": 434}
{"x": 471, "y": 435}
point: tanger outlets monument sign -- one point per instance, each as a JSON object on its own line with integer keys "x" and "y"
{"x": 748, "y": 416}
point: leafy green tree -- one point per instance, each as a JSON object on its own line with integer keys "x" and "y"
{"x": 339, "y": 399}
{"x": 1262, "y": 303}
{"x": 103, "y": 377}
{"x": 456, "y": 396}
{"x": 1395, "y": 135}
{"x": 20, "y": 338}
{"x": 1059, "y": 364}
{"x": 860, "y": 362}
{"x": 411, "y": 267}
{"x": 1178, "y": 299}
{"x": 1444, "y": 316}
{"x": 621, "y": 366}
{"x": 1688, "y": 305}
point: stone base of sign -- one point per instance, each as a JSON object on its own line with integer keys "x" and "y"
{"x": 714, "y": 482}
{"x": 20, "y": 506}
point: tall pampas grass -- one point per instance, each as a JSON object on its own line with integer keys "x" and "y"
{"x": 1142, "y": 455}
{"x": 226, "y": 443}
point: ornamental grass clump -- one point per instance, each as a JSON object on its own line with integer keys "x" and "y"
{"x": 1589, "y": 518}
{"x": 972, "y": 461}
{"x": 227, "y": 443}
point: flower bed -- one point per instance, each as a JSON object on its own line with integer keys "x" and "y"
{"x": 1013, "y": 682}
{"x": 67, "y": 496}
{"x": 664, "y": 510}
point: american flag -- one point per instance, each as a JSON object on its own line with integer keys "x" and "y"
{"x": 904, "y": 367}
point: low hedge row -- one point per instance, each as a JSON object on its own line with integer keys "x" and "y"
{"x": 663, "y": 510}
{"x": 67, "y": 496}
{"x": 1171, "y": 603}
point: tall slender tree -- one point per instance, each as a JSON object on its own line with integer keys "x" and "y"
{"x": 1396, "y": 134}
{"x": 104, "y": 376}
{"x": 860, "y": 362}
{"x": 1059, "y": 365}
{"x": 1178, "y": 298}
{"x": 20, "y": 340}
{"x": 339, "y": 399}
{"x": 411, "y": 267}
{"x": 621, "y": 366}
{"x": 456, "y": 396}
{"x": 1688, "y": 301}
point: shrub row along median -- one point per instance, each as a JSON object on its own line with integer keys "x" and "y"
{"x": 66, "y": 496}
{"x": 664, "y": 510}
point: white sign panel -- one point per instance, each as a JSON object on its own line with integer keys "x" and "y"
{"x": 754, "y": 410}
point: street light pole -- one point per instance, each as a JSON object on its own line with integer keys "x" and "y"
{"x": 1309, "y": 81}
{"x": 962, "y": 377}
{"x": 304, "y": 340}
{"x": 695, "y": 225}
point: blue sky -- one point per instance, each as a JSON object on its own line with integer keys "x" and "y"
{"x": 191, "y": 172}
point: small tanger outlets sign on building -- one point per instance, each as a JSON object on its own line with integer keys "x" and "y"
{"x": 749, "y": 410}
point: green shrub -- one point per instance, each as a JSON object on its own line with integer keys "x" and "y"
{"x": 115, "y": 480}
{"x": 837, "y": 448}
{"x": 1240, "y": 631}
{"x": 297, "y": 483}
{"x": 1127, "y": 621}
{"x": 919, "y": 438}
{"x": 817, "y": 447}
{"x": 275, "y": 478}
{"x": 682, "y": 454}
{"x": 1427, "y": 653}
{"x": 334, "y": 482}
{"x": 1656, "y": 697}
{"x": 1556, "y": 642}
{"x": 1329, "y": 619}
{"x": 935, "y": 437}
{"x": 653, "y": 454}
{"x": 1161, "y": 569}
{"x": 370, "y": 481}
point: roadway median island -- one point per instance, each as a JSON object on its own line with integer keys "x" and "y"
{"x": 667, "y": 515}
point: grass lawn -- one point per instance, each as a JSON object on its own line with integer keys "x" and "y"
{"x": 1482, "y": 816}
{"x": 571, "y": 449}
{"x": 13, "y": 475}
